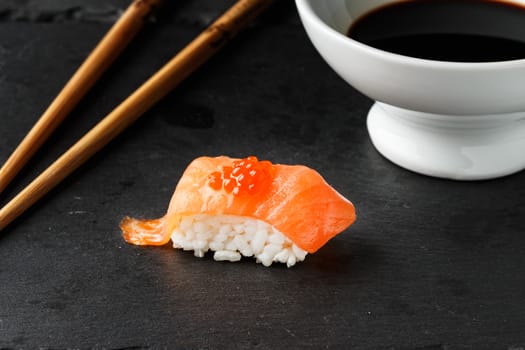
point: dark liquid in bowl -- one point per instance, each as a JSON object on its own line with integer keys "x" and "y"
{"x": 458, "y": 31}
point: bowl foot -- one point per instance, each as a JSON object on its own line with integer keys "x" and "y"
{"x": 453, "y": 147}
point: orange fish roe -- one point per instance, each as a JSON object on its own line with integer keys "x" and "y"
{"x": 244, "y": 176}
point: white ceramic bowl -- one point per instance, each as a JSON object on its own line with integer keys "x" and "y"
{"x": 454, "y": 120}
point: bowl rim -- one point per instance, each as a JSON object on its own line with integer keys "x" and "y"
{"x": 306, "y": 11}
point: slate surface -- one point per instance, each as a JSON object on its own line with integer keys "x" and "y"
{"x": 430, "y": 264}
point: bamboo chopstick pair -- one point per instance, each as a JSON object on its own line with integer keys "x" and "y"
{"x": 162, "y": 82}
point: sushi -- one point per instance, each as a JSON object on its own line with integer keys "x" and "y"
{"x": 246, "y": 207}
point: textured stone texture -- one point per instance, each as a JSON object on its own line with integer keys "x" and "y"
{"x": 430, "y": 264}
{"x": 198, "y": 12}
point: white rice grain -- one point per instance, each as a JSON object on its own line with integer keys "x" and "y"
{"x": 265, "y": 259}
{"x": 276, "y": 238}
{"x": 272, "y": 249}
{"x": 200, "y": 244}
{"x": 215, "y": 246}
{"x": 291, "y": 260}
{"x": 231, "y": 237}
{"x": 258, "y": 241}
{"x": 298, "y": 252}
{"x": 200, "y": 228}
{"x": 242, "y": 246}
{"x": 282, "y": 256}
{"x": 224, "y": 230}
{"x": 199, "y": 253}
{"x": 226, "y": 255}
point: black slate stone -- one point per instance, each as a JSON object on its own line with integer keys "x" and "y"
{"x": 430, "y": 263}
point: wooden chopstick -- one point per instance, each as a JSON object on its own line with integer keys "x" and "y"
{"x": 167, "y": 78}
{"x": 109, "y": 48}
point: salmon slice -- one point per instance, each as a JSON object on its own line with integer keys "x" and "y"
{"x": 293, "y": 199}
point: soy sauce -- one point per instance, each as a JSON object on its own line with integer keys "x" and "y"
{"x": 458, "y": 31}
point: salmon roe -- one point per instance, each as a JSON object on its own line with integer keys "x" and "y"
{"x": 244, "y": 176}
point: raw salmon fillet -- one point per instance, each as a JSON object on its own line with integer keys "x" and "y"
{"x": 293, "y": 199}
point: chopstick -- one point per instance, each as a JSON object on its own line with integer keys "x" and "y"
{"x": 108, "y": 49}
{"x": 162, "y": 82}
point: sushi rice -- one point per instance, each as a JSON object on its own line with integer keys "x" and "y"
{"x": 231, "y": 236}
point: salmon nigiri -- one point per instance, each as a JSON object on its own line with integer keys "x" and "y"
{"x": 247, "y": 207}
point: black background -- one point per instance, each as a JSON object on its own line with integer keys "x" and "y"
{"x": 429, "y": 264}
